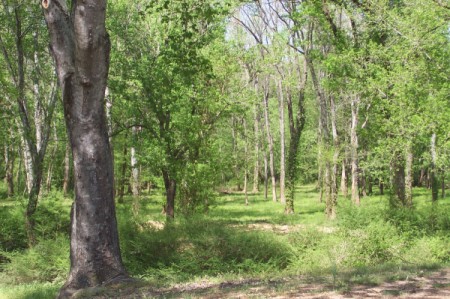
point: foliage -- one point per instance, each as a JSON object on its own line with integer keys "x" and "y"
{"x": 46, "y": 262}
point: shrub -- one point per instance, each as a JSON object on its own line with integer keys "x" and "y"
{"x": 48, "y": 261}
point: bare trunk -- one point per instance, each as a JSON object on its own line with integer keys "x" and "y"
{"x": 245, "y": 161}
{"x": 434, "y": 178}
{"x": 344, "y": 188}
{"x": 409, "y": 176}
{"x": 442, "y": 184}
{"x": 334, "y": 163}
{"x": 381, "y": 186}
{"x": 9, "y": 175}
{"x": 134, "y": 167}
{"x": 171, "y": 187}
{"x": 66, "y": 180}
{"x": 80, "y": 47}
{"x": 398, "y": 196}
{"x": 123, "y": 175}
{"x": 354, "y": 150}
{"x": 28, "y": 164}
{"x": 269, "y": 140}
{"x": 282, "y": 142}
{"x": 266, "y": 176}
{"x": 256, "y": 154}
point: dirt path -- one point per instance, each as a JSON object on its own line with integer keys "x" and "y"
{"x": 432, "y": 285}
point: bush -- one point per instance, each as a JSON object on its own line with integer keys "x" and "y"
{"x": 48, "y": 261}
{"x": 12, "y": 229}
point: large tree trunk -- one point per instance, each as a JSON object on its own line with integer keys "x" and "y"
{"x": 80, "y": 47}
{"x": 354, "y": 149}
{"x": 282, "y": 142}
{"x": 269, "y": 139}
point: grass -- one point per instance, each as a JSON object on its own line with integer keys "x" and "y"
{"x": 366, "y": 245}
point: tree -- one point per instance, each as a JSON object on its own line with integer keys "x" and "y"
{"x": 80, "y": 47}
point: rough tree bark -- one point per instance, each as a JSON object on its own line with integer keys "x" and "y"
{"x": 80, "y": 46}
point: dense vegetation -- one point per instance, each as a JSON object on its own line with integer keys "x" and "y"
{"x": 336, "y": 111}
{"x": 369, "y": 244}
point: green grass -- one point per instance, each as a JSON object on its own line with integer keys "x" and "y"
{"x": 29, "y": 291}
{"x": 365, "y": 245}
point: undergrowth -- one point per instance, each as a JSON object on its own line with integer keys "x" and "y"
{"x": 365, "y": 242}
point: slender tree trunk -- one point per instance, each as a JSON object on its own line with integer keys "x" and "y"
{"x": 256, "y": 154}
{"x": 344, "y": 188}
{"x": 52, "y": 159}
{"x": 171, "y": 187}
{"x": 442, "y": 184}
{"x": 381, "y": 186}
{"x": 123, "y": 175}
{"x": 269, "y": 140}
{"x": 66, "y": 180}
{"x": 9, "y": 175}
{"x": 422, "y": 178}
{"x": 235, "y": 153}
{"x": 134, "y": 168}
{"x": 363, "y": 185}
{"x": 80, "y": 47}
{"x": 266, "y": 176}
{"x": 334, "y": 163}
{"x": 434, "y": 179}
{"x": 28, "y": 165}
{"x": 282, "y": 142}
{"x": 354, "y": 149}
{"x": 409, "y": 176}
{"x": 245, "y": 161}
{"x": 398, "y": 181}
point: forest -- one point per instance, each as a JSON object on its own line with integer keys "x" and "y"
{"x": 224, "y": 148}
